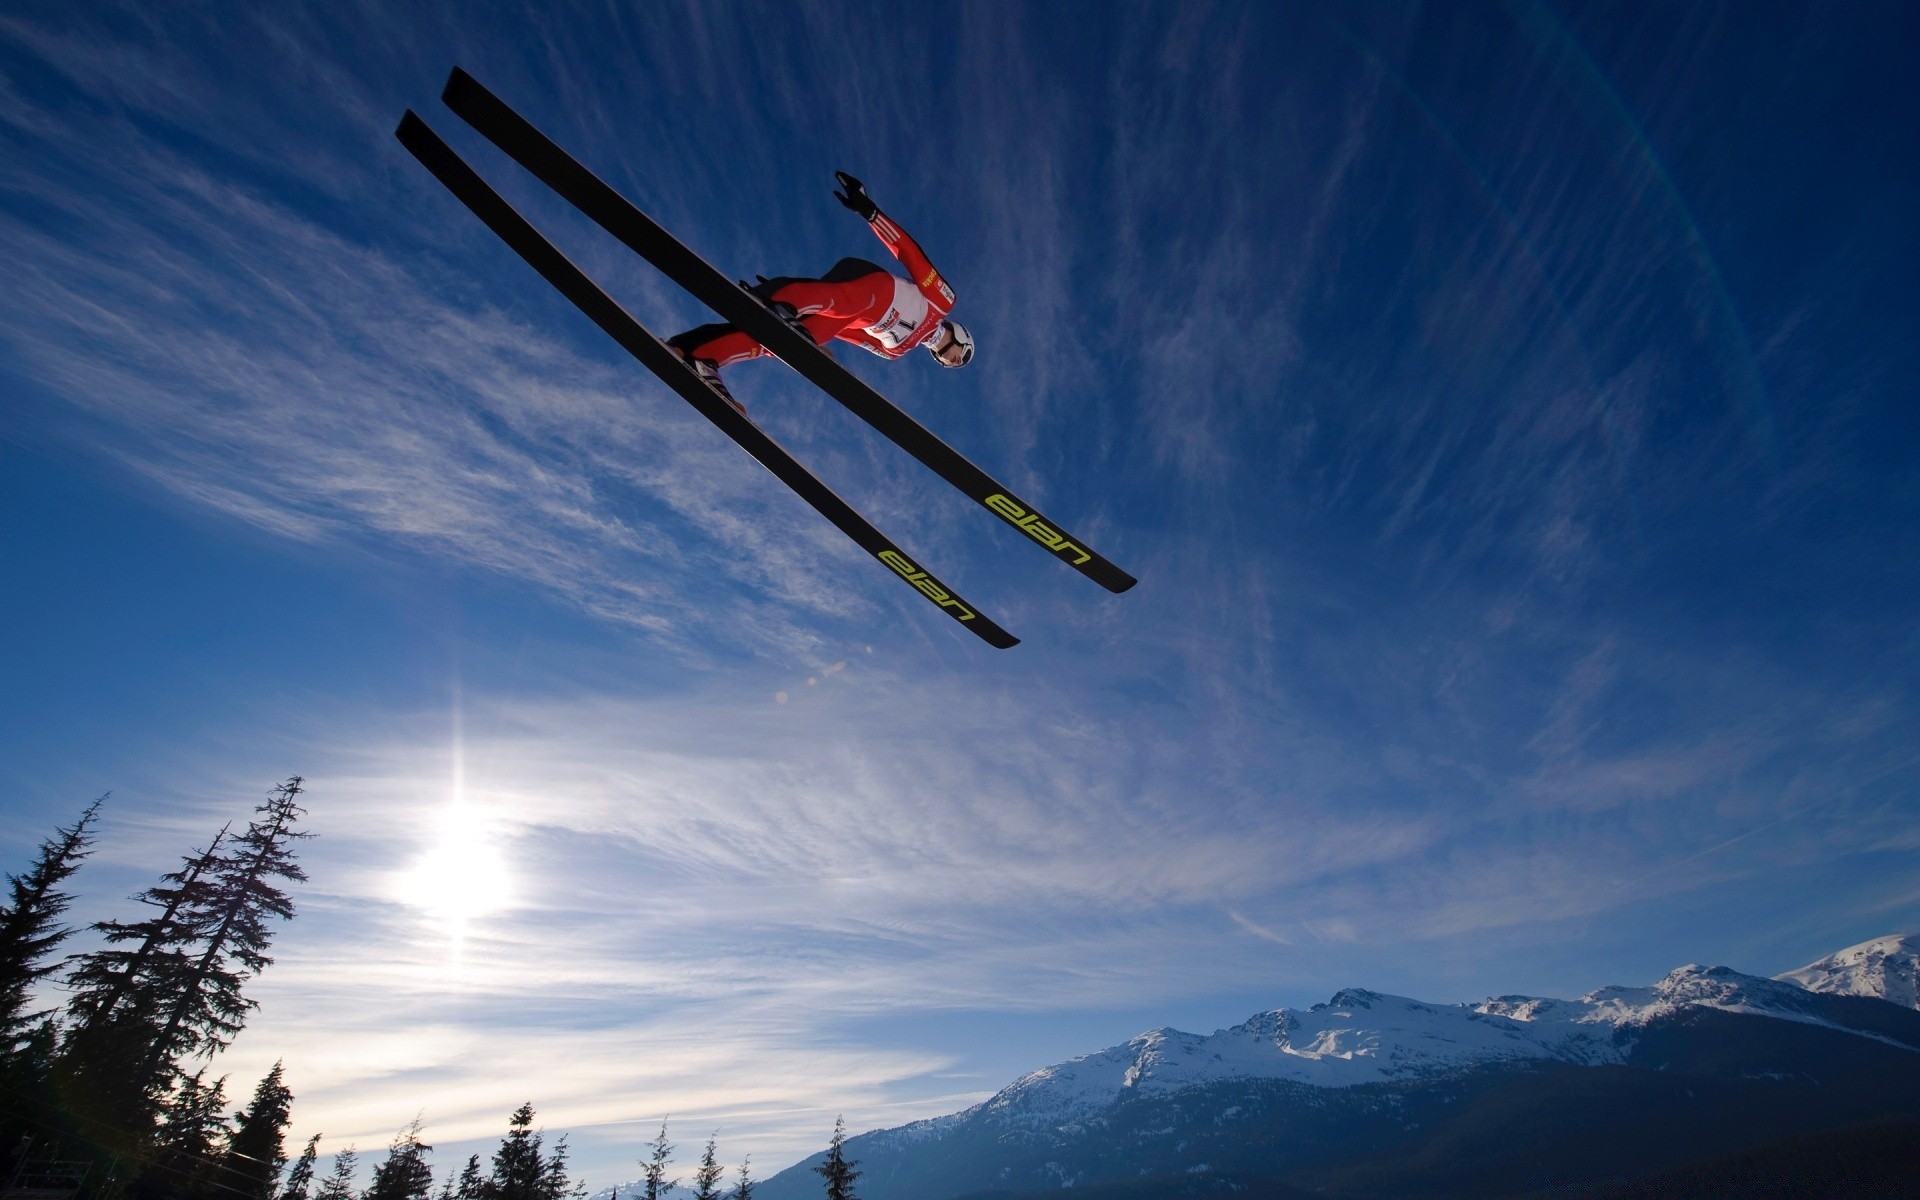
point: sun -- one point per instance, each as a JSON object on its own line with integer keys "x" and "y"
{"x": 462, "y": 874}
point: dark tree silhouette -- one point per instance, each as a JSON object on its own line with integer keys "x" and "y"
{"x": 29, "y": 924}
{"x": 471, "y": 1185}
{"x": 522, "y": 1170}
{"x": 103, "y": 980}
{"x": 655, "y": 1184}
{"x": 706, "y": 1180}
{"x": 208, "y": 1009}
{"x": 517, "y": 1164}
{"x": 186, "y": 1160}
{"x": 405, "y": 1174}
{"x": 339, "y": 1184}
{"x": 257, "y": 1149}
{"x": 743, "y": 1183}
{"x": 116, "y": 998}
{"x": 838, "y": 1170}
{"x": 300, "y": 1179}
{"x": 554, "y": 1184}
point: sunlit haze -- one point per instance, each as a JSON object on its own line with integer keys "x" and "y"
{"x": 1507, "y": 410}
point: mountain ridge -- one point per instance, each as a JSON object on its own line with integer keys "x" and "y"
{"x": 1390, "y": 1067}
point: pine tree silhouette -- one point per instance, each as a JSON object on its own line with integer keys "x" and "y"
{"x": 257, "y": 1149}
{"x": 405, "y": 1174}
{"x": 300, "y": 1179}
{"x": 655, "y": 1185}
{"x": 29, "y": 931}
{"x": 208, "y": 1009}
{"x": 522, "y": 1169}
{"x": 117, "y": 1001}
{"x": 554, "y": 1184}
{"x": 706, "y": 1180}
{"x": 517, "y": 1164}
{"x": 471, "y": 1185}
{"x": 103, "y": 980}
{"x": 339, "y": 1184}
{"x": 838, "y": 1170}
{"x": 743, "y": 1185}
{"x": 192, "y": 1128}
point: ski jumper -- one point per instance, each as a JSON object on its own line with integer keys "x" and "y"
{"x": 856, "y": 302}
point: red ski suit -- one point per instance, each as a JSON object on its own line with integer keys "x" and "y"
{"x": 876, "y": 309}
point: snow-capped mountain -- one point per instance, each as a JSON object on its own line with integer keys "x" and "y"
{"x": 1887, "y": 968}
{"x": 1367, "y": 1037}
{"x": 1291, "y": 1092}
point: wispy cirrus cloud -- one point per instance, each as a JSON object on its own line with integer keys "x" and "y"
{"x": 1391, "y": 402}
{"x": 268, "y": 367}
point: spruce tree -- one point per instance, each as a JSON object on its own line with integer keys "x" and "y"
{"x": 208, "y": 1008}
{"x": 186, "y": 1146}
{"x": 517, "y": 1164}
{"x": 706, "y": 1180}
{"x": 102, "y": 981}
{"x": 743, "y": 1185}
{"x": 655, "y": 1184}
{"x": 29, "y": 929}
{"x": 405, "y": 1174}
{"x": 522, "y": 1170}
{"x": 116, "y": 996}
{"x": 257, "y": 1150}
{"x": 838, "y": 1170}
{"x": 300, "y": 1179}
{"x": 471, "y": 1185}
{"x": 339, "y": 1184}
{"x": 554, "y": 1183}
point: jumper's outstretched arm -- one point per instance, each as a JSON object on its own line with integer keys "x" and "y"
{"x": 898, "y": 243}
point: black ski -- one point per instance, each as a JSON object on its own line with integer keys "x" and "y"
{"x": 557, "y": 169}
{"x": 656, "y": 356}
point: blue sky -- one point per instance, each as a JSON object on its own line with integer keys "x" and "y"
{"x": 1507, "y": 408}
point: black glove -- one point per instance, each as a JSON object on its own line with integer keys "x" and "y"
{"x": 855, "y": 197}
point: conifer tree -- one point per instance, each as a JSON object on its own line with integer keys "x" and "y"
{"x": 339, "y": 1184}
{"x": 257, "y": 1150}
{"x": 655, "y": 1184}
{"x": 471, "y": 1185}
{"x": 706, "y": 1180}
{"x": 115, "y": 1001}
{"x": 30, "y": 1069}
{"x": 300, "y": 1179}
{"x": 186, "y": 1146}
{"x": 517, "y": 1164}
{"x": 29, "y": 929}
{"x": 405, "y": 1174}
{"x": 103, "y": 980}
{"x": 743, "y": 1184}
{"x": 207, "y": 1009}
{"x": 554, "y": 1183}
{"x": 838, "y": 1170}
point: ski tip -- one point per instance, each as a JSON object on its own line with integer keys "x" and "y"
{"x": 1120, "y": 584}
{"x": 409, "y": 127}
{"x": 457, "y": 81}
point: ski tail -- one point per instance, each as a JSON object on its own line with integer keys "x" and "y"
{"x": 573, "y": 283}
{"x": 518, "y": 138}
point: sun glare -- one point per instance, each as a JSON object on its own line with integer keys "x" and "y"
{"x": 461, "y": 876}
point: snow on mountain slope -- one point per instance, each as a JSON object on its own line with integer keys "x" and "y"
{"x": 1885, "y": 968}
{"x": 1366, "y": 1037}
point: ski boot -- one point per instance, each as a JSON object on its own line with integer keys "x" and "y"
{"x": 709, "y": 373}
{"x": 763, "y": 292}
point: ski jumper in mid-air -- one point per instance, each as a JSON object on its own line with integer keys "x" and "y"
{"x": 857, "y": 301}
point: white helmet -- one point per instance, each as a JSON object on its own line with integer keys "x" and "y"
{"x": 957, "y": 335}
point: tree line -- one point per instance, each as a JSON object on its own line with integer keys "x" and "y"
{"x": 107, "y": 1096}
